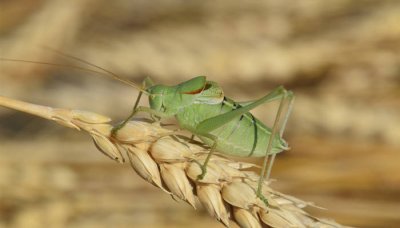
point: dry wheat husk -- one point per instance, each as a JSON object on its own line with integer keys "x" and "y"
{"x": 171, "y": 163}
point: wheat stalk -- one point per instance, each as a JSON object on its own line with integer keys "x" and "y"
{"x": 171, "y": 163}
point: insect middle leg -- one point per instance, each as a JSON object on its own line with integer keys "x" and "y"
{"x": 210, "y": 153}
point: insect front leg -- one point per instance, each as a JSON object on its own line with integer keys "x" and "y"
{"x": 145, "y": 84}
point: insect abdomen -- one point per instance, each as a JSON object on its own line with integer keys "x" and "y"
{"x": 244, "y": 136}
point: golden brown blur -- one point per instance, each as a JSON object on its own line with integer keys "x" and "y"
{"x": 341, "y": 58}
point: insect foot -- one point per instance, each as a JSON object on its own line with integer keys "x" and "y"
{"x": 203, "y": 172}
{"x": 116, "y": 128}
{"x": 263, "y": 198}
{"x": 203, "y": 168}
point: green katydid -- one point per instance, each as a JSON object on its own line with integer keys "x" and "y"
{"x": 200, "y": 107}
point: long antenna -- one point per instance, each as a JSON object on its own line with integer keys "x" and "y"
{"x": 53, "y": 64}
{"x": 104, "y": 73}
{"x": 112, "y": 74}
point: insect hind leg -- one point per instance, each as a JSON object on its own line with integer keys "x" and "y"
{"x": 289, "y": 100}
{"x": 286, "y": 96}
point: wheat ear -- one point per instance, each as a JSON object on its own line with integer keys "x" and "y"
{"x": 171, "y": 163}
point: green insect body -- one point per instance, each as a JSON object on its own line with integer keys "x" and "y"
{"x": 197, "y": 100}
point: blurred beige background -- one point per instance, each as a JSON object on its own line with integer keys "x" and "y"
{"x": 341, "y": 58}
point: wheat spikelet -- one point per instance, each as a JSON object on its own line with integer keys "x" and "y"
{"x": 172, "y": 163}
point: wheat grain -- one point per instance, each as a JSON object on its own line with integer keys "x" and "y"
{"x": 172, "y": 163}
